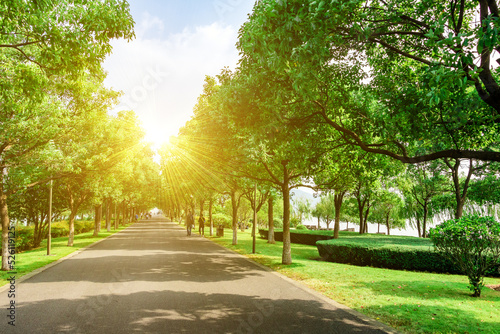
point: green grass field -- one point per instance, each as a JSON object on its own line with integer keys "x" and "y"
{"x": 28, "y": 261}
{"x": 412, "y": 302}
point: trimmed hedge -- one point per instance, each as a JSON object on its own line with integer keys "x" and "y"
{"x": 390, "y": 257}
{"x": 296, "y": 237}
{"x": 25, "y": 234}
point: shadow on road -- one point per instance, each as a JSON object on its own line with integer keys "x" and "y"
{"x": 182, "y": 312}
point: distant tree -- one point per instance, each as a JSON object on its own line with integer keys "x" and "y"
{"x": 388, "y": 210}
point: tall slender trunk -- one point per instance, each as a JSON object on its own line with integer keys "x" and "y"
{"x": 337, "y": 199}
{"x": 388, "y": 225}
{"x": 210, "y": 205}
{"x": 361, "y": 205}
{"x": 460, "y": 194}
{"x": 117, "y": 215}
{"x": 365, "y": 223}
{"x": 418, "y": 227}
{"x": 71, "y": 223}
{"x": 97, "y": 219}
{"x": 4, "y": 216}
{"x": 108, "y": 216}
{"x": 234, "y": 205}
{"x": 270, "y": 220}
{"x": 286, "y": 258}
{"x": 424, "y": 222}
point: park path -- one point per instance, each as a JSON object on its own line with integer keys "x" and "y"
{"x": 152, "y": 278}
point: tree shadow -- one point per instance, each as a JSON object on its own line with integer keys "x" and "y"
{"x": 425, "y": 317}
{"x": 435, "y": 319}
{"x": 160, "y": 266}
{"x": 183, "y": 312}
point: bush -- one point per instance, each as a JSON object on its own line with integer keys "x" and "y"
{"x": 83, "y": 226}
{"x": 301, "y": 227}
{"x": 222, "y": 219}
{"x": 389, "y": 252}
{"x": 24, "y": 238}
{"x": 296, "y": 237}
{"x": 472, "y": 243}
{"x": 294, "y": 221}
{"x": 278, "y": 223}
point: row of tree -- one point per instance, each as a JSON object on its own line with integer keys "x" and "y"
{"x": 341, "y": 96}
{"x": 54, "y": 116}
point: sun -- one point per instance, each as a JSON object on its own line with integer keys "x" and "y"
{"x": 158, "y": 132}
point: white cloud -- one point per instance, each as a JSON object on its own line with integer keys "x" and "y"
{"x": 162, "y": 78}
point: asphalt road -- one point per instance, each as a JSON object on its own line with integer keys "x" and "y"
{"x": 152, "y": 278}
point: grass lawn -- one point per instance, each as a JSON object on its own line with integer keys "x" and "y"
{"x": 28, "y": 261}
{"x": 412, "y": 302}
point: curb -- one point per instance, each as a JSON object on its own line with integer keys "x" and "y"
{"x": 50, "y": 265}
{"x": 376, "y": 324}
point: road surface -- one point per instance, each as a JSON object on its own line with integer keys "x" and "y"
{"x": 152, "y": 278}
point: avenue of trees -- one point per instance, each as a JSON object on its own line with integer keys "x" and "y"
{"x": 389, "y": 109}
{"x": 54, "y": 118}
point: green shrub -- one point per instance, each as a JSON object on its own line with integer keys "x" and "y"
{"x": 301, "y": 227}
{"x": 24, "y": 238}
{"x": 294, "y": 221}
{"x": 296, "y": 237}
{"x": 25, "y": 234}
{"x": 369, "y": 251}
{"x": 83, "y": 226}
{"x": 278, "y": 223}
{"x": 472, "y": 243}
{"x": 222, "y": 219}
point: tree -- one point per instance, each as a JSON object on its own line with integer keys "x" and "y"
{"x": 429, "y": 95}
{"x": 303, "y": 208}
{"x": 325, "y": 208}
{"x": 388, "y": 210}
{"x": 32, "y": 205}
{"x": 472, "y": 243}
{"x": 423, "y": 183}
{"x": 47, "y": 50}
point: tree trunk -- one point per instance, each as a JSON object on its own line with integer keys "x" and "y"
{"x": 71, "y": 223}
{"x": 210, "y": 204}
{"x": 108, "y": 216}
{"x": 97, "y": 219}
{"x": 388, "y": 225}
{"x": 365, "y": 224}
{"x": 361, "y": 205}
{"x": 418, "y": 227}
{"x": 270, "y": 220}
{"x": 285, "y": 189}
{"x": 4, "y": 216}
{"x": 319, "y": 226}
{"x": 287, "y": 249}
{"x": 337, "y": 199}
{"x": 424, "y": 223}
{"x": 460, "y": 195}
{"x": 234, "y": 205}
{"x": 117, "y": 215}
{"x": 100, "y": 218}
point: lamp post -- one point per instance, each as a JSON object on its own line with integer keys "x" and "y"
{"x": 49, "y": 237}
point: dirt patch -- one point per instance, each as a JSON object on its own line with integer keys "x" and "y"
{"x": 494, "y": 287}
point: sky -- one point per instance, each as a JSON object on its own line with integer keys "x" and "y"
{"x": 161, "y": 72}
